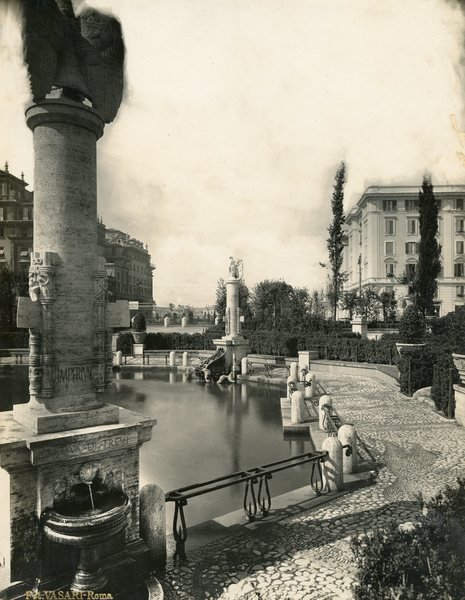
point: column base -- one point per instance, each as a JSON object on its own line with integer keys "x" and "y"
{"x": 236, "y": 346}
{"x": 39, "y": 419}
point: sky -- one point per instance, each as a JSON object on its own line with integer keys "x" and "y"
{"x": 237, "y": 114}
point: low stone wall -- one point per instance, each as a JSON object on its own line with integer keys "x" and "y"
{"x": 357, "y": 369}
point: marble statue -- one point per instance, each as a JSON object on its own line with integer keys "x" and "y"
{"x": 235, "y": 268}
{"x": 76, "y": 57}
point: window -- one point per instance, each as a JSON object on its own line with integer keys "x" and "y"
{"x": 412, "y": 226}
{"x": 439, "y": 204}
{"x": 390, "y": 269}
{"x": 459, "y": 203}
{"x": 459, "y": 290}
{"x": 460, "y": 225}
{"x": 411, "y": 204}
{"x": 410, "y": 270}
{"x": 389, "y": 205}
{"x": 458, "y": 270}
{"x": 411, "y": 248}
{"x": 389, "y": 248}
{"x": 389, "y": 226}
{"x": 459, "y": 247}
{"x": 2, "y": 252}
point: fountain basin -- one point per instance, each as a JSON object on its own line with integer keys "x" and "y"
{"x": 87, "y": 530}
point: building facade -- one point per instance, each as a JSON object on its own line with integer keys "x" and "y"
{"x": 382, "y": 242}
{"x": 129, "y": 270}
{"x": 16, "y": 214}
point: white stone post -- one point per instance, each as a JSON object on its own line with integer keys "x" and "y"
{"x": 291, "y": 386}
{"x": 310, "y": 380}
{"x": 119, "y": 358}
{"x": 347, "y": 436}
{"x": 294, "y": 371}
{"x": 304, "y": 360}
{"x": 323, "y": 400}
{"x": 153, "y": 523}
{"x": 332, "y": 467}
{"x": 244, "y": 366}
{"x": 298, "y": 408}
{"x": 184, "y": 322}
{"x": 185, "y": 359}
{"x": 166, "y": 322}
{"x": 172, "y": 358}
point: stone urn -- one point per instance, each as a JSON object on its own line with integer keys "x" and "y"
{"x": 87, "y": 530}
{"x": 139, "y": 336}
{"x": 405, "y": 349}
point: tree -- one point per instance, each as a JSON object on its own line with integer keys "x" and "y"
{"x": 244, "y": 301}
{"x": 335, "y": 240}
{"x": 429, "y": 265}
{"x": 276, "y": 305}
{"x": 350, "y": 303}
{"x": 388, "y": 305}
{"x": 370, "y": 303}
{"x": 8, "y": 282}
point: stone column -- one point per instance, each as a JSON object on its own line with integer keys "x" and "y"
{"x": 65, "y": 281}
{"x": 232, "y": 342}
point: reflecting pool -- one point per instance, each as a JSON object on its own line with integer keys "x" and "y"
{"x": 203, "y": 431}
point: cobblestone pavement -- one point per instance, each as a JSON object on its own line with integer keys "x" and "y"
{"x": 306, "y": 555}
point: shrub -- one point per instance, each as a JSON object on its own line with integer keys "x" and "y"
{"x": 416, "y": 370}
{"x": 124, "y": 342}
{"x": 138, "y": 322}
{"x": 424, "y": 561}
{"x": 411, "y": 326}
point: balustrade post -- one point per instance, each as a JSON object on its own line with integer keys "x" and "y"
{"x": 298, "y": 408}
{"x": 173, "y": 358}
{"x": 348, "y": 438}
{"x": 324, "y": 400}
{"x": 332, "y": 470}
{"x": 310, "y": 383}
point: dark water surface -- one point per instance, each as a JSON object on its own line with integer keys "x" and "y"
{"x": 203, "y": 431}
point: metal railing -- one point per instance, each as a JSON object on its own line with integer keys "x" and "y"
{"x": 253, "y": 502}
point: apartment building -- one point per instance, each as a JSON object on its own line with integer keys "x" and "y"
{"x": 128, "y": 262}
{"x": 382, "y": 240}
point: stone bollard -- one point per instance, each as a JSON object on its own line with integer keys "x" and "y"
{"x": 347, "y": 436}
{"x": 244, "y": 366}
{"x": 172, "y": 358}
{"x": 333, "y": 479}
{"x": 298, "y": 408}
{"x": 294, "y": 371}
{"x": 184, "y": 322}
{"x": 119, "y": 358}
{"x": 185, "y": 359}
{"x": 153, "y": 523}
{"x": 323, "y": 400}
{"x": 291, "y": 386}
{"x": 310, "y": 383}
{"x": 166, "y": 322}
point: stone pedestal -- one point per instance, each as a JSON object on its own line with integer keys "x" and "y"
{"x": 138, "y": 349}
{"x": 39, "y": 469}
{"x": 359, "y": 325}
{"x": 233, "y": 343}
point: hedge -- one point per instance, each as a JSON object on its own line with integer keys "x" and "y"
{"x": 422, "y": 560}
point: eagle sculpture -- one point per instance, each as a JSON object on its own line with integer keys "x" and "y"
{"x": 81, "y": 57}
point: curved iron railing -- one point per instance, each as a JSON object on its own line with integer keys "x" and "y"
{"x": 253, "y": 502}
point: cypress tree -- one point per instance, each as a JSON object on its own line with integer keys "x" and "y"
{"x": 429, "y": 265}
{"x": 335, "y": 241}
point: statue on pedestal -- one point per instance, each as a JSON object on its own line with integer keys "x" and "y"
{"x": 235, "y": 268}
{"x": 74, "y": 57}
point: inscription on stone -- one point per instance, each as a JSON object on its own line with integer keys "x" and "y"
{"x": 98, "y": 445}
{"x": 63, "y": 375}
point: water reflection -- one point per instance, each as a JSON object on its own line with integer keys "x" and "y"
{"x": 203, "y": 431}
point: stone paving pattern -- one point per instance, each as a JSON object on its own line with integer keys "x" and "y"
{"x": 306, "y": 555}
